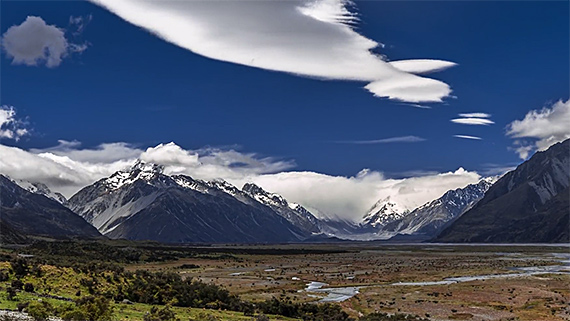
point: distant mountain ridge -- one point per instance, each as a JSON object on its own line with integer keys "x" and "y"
{"x": 528, "y": 205}
{"x": 144, "y": 203}
{"x": 24, "y": 213}
{"x": 41, "y": 189}
{"x": 293, "y": 212}
{"x": 428, "y": 219}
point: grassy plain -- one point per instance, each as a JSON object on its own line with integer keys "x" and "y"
{"x": 375, "y": 266}
{"x": 260, "y": 272}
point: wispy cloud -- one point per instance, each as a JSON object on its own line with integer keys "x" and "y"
{"x": 312, "y": 38}
{"x": 476, "y": 115}
{"x": 472, "y": 121}
{"x": 545, "y": 127}
{"x": 476, "y": 118}
{"x": 468, "y": 137}
{"x": 401, "y": 139}
{"x": 491, "y": 169}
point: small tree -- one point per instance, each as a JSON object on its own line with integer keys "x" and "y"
{"x": 20, "y": 267}
{"x": 28, "y": 287}
{"x": 11, "y": 293}
{"x": 17, "y": 284}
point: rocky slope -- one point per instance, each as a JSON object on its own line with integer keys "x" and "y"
{"x": 144, "y": 203}
{"x": 429, "y": 218}
{"x": 33, "y": 214}
{"x": 294, "y": 213}
{"x": 528, "y": 204}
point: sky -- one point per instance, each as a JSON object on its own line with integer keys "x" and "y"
{"x": 330, "y": 103}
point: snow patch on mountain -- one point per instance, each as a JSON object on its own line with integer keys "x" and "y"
{"x": 41, "y": 189}
{"x": 384, "y": 212}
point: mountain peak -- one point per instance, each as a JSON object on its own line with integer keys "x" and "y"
{"x": 384, "y": 212}
{"x": 143, "y": 166}
{"x": 140, "y": 170}
{"x": 252, "y": 188}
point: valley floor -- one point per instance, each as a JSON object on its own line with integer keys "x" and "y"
{"x": 419, "y": 279}
{"x": 374, "y": 269}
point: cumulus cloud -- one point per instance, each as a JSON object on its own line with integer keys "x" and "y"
{"x": 67, "y": 168}
{"x": 545, "y": 127}
{"x": 35, "y": 43}
{"x": 401, "y": 139}
{"x": 312, "y": 38}
{"x": 467, "y": 137}
{"x": 10, "y": 126}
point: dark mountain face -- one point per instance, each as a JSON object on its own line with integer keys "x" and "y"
{"x": 145, "y": 204}
{"x": 529, "y": 204}
{"x": 34, "y": 214}
{"x": 294, "y": 213}
{"x": 10, "y": 236}
{"x": 429, "y": 218}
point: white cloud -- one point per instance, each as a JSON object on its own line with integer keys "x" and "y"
{"x": 10, "y": 126}
{"x": 34, "y": 43}
{"x": 401, "y": 139}
{"x": 312, "y": 38}
{"x": 476, "y": 115}
{"x": 350, "y": 197}
{"x": 67, "y": 167}
{"x": 104, "y": 153}
{"x": 468, "y": 137}
{"x": 546, "y": 127}
{"x": 472, "y": 121}
{"x": 422, "y": 66}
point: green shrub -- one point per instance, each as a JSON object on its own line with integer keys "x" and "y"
{"x": 163, "y": 314}
{"x": 20, "y": 267}
{"x": 39, "y": 311}
{"x": 74, "y": 314}
{"x": 11, "y": 292}
{"x": 28, "y": 287}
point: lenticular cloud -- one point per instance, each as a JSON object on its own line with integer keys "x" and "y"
{"x": 303, "y": 37}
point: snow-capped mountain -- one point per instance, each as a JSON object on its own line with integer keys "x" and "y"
{"x": 294, "y": 213}
{"x": 384, "y": 212}
{"x": 528, "y": 204}
{"x": 41, "y": 189}
{"x": 144, "y": 203}
{"x": 430, "y": 217}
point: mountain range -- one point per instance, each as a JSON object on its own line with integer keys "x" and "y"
{"x": 427, "y": 220}
{"x": 529, "y": 204}
{"x": 143, "y": 203}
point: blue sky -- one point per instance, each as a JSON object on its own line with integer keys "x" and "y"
{"x": 131, "y": 86}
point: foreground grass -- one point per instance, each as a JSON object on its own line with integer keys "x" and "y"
{"x": 66, "y": 283}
